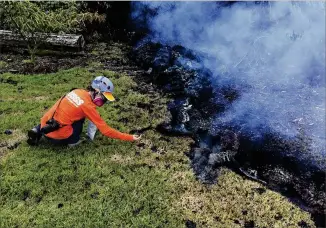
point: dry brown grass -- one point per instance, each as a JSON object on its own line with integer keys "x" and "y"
{"x": 235, "y": 202}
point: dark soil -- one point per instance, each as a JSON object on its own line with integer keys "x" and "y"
{"x": 17, "y": 62}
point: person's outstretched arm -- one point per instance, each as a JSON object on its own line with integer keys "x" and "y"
{"x": 93, "y": 115}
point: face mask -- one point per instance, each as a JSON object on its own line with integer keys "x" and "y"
{"x": 99, "y": 101}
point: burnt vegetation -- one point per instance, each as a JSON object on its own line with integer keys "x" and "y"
{"x": 272, "y": 160}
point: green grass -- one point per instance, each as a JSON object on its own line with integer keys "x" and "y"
{"x": 111, "y": 183}
{"x": 114, "y": 51}
{"x": 96, "y": 65}
{"x": 27, "y": 61}
{"x": 3, "y": 64}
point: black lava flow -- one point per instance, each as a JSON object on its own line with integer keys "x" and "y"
{"x": 271, "y": 161}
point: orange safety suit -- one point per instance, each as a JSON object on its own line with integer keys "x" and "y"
{"x": 75, "y": 106}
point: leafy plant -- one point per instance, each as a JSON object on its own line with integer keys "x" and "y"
{"x": 34, "y": 22}
{"x": 3, "y": 64}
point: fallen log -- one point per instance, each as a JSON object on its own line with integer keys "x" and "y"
{"x": 53, "y": 41}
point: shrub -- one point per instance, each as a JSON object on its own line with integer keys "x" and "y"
{"x": 33, "y": 22}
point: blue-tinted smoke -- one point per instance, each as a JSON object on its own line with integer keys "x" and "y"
{"x": 275, "y": 54}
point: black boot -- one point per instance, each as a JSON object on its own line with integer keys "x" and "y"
{"x": 34, "y": 136}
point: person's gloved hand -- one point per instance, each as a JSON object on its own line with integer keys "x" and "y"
{"x": 136, "y": 137}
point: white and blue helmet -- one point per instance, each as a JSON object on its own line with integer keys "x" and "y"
{"x": 105, "y": 86}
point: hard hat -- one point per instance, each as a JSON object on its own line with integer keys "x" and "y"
{"x": 105, "y": 86}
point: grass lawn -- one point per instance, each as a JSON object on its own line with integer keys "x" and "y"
{"x": 111, "y": 183}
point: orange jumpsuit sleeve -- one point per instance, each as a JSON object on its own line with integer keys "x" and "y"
{"x": 92, "y": 114}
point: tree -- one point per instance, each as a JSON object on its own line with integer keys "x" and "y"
{"x": 35, "y": 21}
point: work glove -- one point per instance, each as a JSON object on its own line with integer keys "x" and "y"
{"x": 136, "y": 137}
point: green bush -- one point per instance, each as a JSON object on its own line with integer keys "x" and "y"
{"x": 3, "y": 64}
{"x": 34, "y": 23}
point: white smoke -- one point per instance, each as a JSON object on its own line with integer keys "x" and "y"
{"x": 275, "y": 52}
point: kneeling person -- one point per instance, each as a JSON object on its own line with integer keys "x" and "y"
{"x": 63, "y": 123}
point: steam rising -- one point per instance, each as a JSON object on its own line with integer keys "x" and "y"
{"x": 274, "y": 53}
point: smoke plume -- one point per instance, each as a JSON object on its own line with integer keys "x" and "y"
{"x": 273, "y": 53}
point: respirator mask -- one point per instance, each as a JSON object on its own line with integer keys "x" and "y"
{"x": 99, "y": 100}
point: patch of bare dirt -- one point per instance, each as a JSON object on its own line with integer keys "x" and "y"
{"x": 11, "y": 142}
